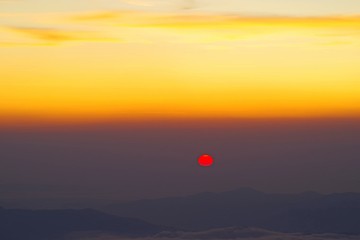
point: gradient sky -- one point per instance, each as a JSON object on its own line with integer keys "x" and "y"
{"x": 156, "y": 59}
{"x": 136, "y": 161}
{"x": 125, "y": 94}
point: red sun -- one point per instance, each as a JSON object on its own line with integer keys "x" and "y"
{"x": 205, "y": 160}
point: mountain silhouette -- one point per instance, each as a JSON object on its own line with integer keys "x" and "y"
{"x": 19, "y": 224}
{"x": 308, "y": 212}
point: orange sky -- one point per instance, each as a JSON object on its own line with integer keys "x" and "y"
{"x": 136, "y": 64}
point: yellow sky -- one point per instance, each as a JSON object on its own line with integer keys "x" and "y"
{"x": 96, "y": 65}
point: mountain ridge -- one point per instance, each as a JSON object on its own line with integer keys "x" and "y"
{"x": 247, "y": 207}
{"x": 19, "y": 224}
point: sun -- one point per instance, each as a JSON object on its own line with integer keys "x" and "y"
{"x": 205, "y": 160}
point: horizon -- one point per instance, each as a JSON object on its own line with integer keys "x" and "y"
{"x": 269, "y": 155}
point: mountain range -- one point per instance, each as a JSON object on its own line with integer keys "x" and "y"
{"x": 20, "y": 224}
{"x": 308, "y": 212}
{"x": 232, "y": 214}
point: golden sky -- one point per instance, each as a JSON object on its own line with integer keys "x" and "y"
{"x": 67, "y": 61}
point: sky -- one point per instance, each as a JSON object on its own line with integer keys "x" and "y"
{"x": 126, "y": 94}
{"x": 105, "y": 60}
{"x": 141, "y": 161}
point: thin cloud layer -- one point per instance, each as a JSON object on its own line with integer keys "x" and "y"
{"x": 207, "y": 21}
{"x": 247, "y": 233}
{"x": 140, "y": 26}
{"x": 102, "y": 16}
{"x": 213, "y": 28}
{"x": 224, "y": 233}
{"x": 56, "y": 35}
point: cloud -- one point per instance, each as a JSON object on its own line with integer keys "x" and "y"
{"x": 208, "y": 21}
{"x": 223, "y": 233}
{"x": 247, "y": 233}
{"x": 229, "y": 233}
{"x": 215, "y": 28}
{"x": 145, "y": 26}
{"x": 56, "y": 35}
{"x": 100, "y": 16}
{"x": 51, "y": 35}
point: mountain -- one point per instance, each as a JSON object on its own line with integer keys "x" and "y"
{"x": 306, "y": 212}
{"x": 54, "y": 203}
{"x": 248, "y": 233}
{"x": 19, "y": 224}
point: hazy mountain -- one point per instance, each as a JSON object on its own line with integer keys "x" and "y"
{"x": 19, "y": 224}
{"x": 306, "y": 212}
{"x": 249, "y": 233}
{"x": 54, "y": 203}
